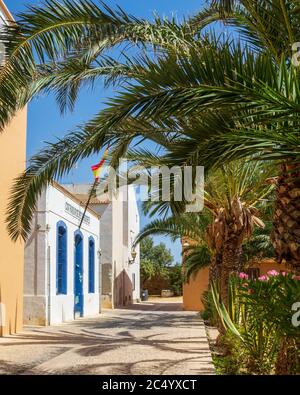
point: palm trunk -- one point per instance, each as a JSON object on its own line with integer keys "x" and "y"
{"x": 231, "y": 263}
{"x": 287, "y": 361}
{"x": 286, "y": 233}
{"x": 215, "y": 268}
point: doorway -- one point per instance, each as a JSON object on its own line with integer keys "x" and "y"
{"x": 78, "y": 275}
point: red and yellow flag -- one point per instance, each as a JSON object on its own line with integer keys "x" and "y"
{"x": 96, "y": 169}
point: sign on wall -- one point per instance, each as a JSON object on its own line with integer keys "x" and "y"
{"x": 77, "y": 213}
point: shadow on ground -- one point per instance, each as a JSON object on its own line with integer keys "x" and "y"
{"x": 151, "y": 338}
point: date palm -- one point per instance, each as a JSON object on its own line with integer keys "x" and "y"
{"x": 233, "y": 197}
{"x": 188, "y": 227}
{"x": 141, "y": 111}
{"x": 273, "y": 27}
{"x": 227, "y": 101}
{"x": 70, "y": 37}
{"x": 59, "y": 46}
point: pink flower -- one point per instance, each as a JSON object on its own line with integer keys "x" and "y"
{"x": 296, "y": 278}
{"x": 263, "y": 278}
{"x": 243, "y": 276}
{"x": 283, "y": 274}
{"x": 273, "y": 273}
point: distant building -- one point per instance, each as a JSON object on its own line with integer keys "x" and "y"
{"x": 120, "y": 224}
{"x": 12, "y": 163}
{"x": 61, "y": 280}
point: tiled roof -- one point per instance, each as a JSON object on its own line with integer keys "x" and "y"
{"x": 104, "y": 199}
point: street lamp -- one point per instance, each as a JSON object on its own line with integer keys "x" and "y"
{"x": 133, "y": 256}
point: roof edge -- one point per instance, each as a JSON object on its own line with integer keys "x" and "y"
{"x": 6, "y": 11}
{"x": 60, "y": 188}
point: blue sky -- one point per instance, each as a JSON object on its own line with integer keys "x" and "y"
{"x": 44, "y": 120}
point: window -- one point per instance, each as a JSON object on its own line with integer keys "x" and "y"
{"x": 91, "y": 265}
{"x": 61, "y": 259}
{"x": 133, "y": 281}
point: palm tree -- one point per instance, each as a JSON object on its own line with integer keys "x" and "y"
{"x": 226, "y": 100}
{"x": 273, "y": 27}
{"x": 234, "y": 195}
{"x": 187, "y": 227}
{"x": 60, "y": 46}
{"x": 141, "y": 112}
{"x": 232, "y": 199}
{"x": 74, "y": 38}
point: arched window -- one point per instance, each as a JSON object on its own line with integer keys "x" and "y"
{"x": 91, "y": 265}
{"x": 61, "y": 259}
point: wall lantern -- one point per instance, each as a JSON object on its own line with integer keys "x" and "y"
{"x": 133, "y": 256}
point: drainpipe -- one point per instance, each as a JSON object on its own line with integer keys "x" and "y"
{"x": 49, "y": 280}
{"x": 48, "y": 255}
{"x": 100, "y": 278}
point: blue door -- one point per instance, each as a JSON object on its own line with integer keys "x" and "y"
{"x": 78, "y": 275}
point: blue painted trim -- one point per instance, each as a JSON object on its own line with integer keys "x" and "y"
{"x": 63, "y": 290}
{"x": 78, "y": 297}
{"x": 92, "y": 264}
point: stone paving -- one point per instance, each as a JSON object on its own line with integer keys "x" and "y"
{"x": 147, "y": 338}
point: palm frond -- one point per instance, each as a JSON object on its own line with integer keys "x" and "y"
{"x": 56, "y": 29}
{"x": 267, "y": 25}
{"x": 197, "y": 257}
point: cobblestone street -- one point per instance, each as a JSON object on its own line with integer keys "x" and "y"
{"x": 147, "y": 338}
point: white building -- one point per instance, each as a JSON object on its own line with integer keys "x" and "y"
{"x": 120, "y": 224}
{"x": 61, "y": 278}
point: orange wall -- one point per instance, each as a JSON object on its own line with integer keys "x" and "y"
{"x": 192, "y": 291}
{"x": 12, "y": 162}
{"x": 269, "y": 264}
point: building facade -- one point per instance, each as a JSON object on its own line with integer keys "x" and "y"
{"x": 12, "y": 163}
{"x": 61, "y": 280}
{"x": 120, "y": 224}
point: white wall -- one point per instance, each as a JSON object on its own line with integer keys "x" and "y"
{"x": 40, "y": 262}
{"x": 120, "y": 224}
{"x": 133, "y": 230}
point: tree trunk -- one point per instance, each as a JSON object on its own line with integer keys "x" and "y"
{"x": 215, "y": 268}
{"x": 231, "y": 263}
{"x": 287, "y": 358}
{"x": 286, "y": 232}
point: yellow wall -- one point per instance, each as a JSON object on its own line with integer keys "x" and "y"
{"x": 270, "y": 264}
{"x": 193, "y": 291}
{"x": 12, "y": 162}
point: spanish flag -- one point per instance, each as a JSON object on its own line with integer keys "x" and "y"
{"x": 96, "y": 169}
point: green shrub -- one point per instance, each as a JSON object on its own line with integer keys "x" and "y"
{"x": 259, "y": 319}
{"x": 176, "y": 279}
{"x": 209, "y": 314}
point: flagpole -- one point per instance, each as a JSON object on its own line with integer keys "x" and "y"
{"x": 88, "y": 202}
{"x": 96, "y": 170}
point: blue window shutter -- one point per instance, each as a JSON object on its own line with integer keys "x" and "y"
{"x": 91, "y": 265}
{"x": 61, "y": 259}
{"x": 64, "y": 263}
